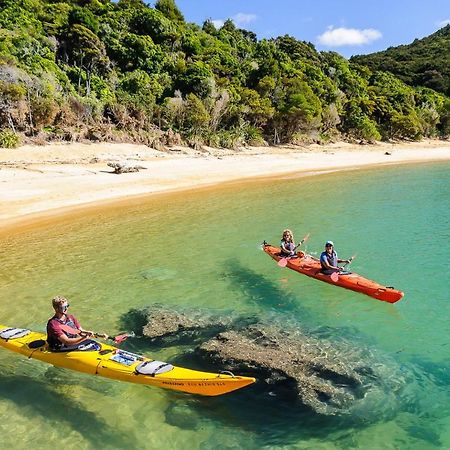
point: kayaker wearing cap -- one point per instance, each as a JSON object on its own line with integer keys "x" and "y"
{"x": 287, "y": 243}
{"x": 329, "y": 259}
{"x": 62, "y": 328}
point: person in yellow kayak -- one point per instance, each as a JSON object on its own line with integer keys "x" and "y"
{"x": 64, "y": 332}
{"x": 329, "y": 259}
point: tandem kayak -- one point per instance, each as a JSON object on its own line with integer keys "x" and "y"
{"x": 96, "y": 358}
{"x": 309, "y": 266}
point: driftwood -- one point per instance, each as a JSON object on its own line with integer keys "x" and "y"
{"x": 124, "y": 168}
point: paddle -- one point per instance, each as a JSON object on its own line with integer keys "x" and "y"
{"x": 283, "y": 261}
{"x": 120, "y": 337}
{"x": 335, "y": 275}
{"x": 117, "y": 339}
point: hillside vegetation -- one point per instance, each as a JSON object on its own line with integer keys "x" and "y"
{"x": 125, "y": 71}
{"x": 425, "y": 62}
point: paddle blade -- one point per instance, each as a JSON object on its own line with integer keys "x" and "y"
{"x": 334, "y": 277}
{"x": 122, "y": 337}
{"x": 282, "y": 262}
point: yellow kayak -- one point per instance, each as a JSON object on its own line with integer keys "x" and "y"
{"x": 108, "y": 361}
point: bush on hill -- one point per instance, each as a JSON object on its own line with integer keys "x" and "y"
{"x": 126, "y": 69}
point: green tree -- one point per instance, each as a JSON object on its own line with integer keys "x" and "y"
{"x": 198, "y": 79}
{"x": 196, "y": 117}
{"x": 87, "y": 53}
{"x": 85, "y": 17}
{"x": 356, "y": 124}
{"x": 153, "y": 23}
{"x": 11, "y": 94}
{"x": 254, "y": 109}
{"x": 140, "y": 52}
{"x": 406, "y": 126}
{"x": 297, "y": 110}
{"x": 170, "y": 10}
{"x": 209, "y": 27}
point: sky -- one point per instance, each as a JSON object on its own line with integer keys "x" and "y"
{"x": 349, "y": 27}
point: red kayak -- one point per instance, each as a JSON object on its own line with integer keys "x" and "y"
{"x": 309, "y": 266}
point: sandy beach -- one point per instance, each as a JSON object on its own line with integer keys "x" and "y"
{"x": 42, "y": 181}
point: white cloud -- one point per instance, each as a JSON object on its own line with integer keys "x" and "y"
{"x": 443, "y": 23}
{"x": 218, "y": 23}
{"x": 339, "y": 37}
{"x": 241, "y": 19}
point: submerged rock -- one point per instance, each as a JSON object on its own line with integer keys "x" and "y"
{"x": 163, "y": 322}
{"x": 314, "y": 372}
{"x": 319, "y": 369}
{"x": 160, "y": 323}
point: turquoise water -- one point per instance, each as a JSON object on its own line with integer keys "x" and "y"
{"x": 202, "y": 250}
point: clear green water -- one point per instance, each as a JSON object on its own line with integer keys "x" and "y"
{"x": 201, "y": 250}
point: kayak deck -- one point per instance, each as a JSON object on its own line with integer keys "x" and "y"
{"x": 309, "y": 266}
{"x": 110, "y": 362}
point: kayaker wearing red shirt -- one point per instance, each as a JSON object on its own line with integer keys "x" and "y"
{"x": 329, "y": 259}
{"x": 59, "y": 335}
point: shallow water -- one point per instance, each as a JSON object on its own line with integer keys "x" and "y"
{"x": 201, "y": 249}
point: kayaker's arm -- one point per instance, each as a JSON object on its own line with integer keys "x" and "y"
{"x": 302, "y": 241}
{"x": 86, "y": 333}
{"x": 71, "y": 341}
{"x": 347, "y": 261}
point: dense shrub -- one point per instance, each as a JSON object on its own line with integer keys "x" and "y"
{"x": 127, "y": 69}
{"x": 8, "y": 139}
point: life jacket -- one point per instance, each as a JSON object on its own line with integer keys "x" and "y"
{"x": 332, "y": 260}
{"x": 288, "y": 245}
{"x": 53, "y": 342}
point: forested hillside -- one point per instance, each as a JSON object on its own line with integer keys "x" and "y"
{"x": 425, "y": 62}
{"x": 125, "y": 71}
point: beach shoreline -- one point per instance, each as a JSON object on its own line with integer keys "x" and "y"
{"x": 39, "y": 183}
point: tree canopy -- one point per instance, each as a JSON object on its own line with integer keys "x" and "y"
{"x": 119, "y": 70}
{"x": 425, "y": 62}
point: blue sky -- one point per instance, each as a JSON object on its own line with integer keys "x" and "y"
{"x": 348, "y": 27}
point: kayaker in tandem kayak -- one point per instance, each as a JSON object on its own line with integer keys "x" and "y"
{"x": 329, "y": 260}
{"x": 64, "y": 331}
{"x": 287, "y": 243}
